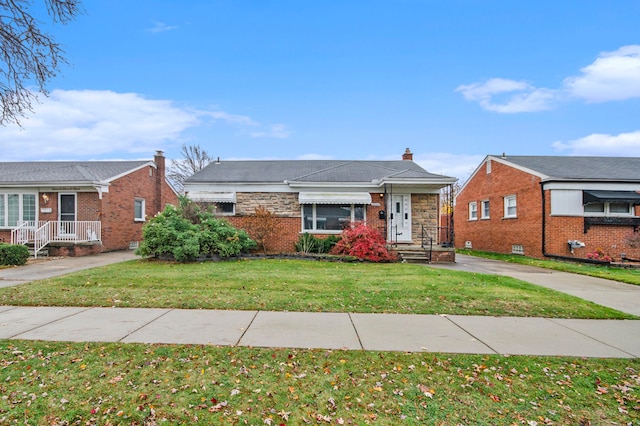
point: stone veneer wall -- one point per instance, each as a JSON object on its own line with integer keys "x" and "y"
{"x": 424, "y": 211}
{"x": 281, "y": 203}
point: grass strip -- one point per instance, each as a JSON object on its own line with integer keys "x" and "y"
{"x": 108, "y": 384}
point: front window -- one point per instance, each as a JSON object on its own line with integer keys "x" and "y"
{"x": 608, "y": 209}
{"x": 138, "y": 210}
{"x": 510, "y": 206}
{"x": 331, "y": 217}
{"x": 17, "y": 208}
{"x": 473, "y": 210}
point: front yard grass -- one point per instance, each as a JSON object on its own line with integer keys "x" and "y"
{"x": 57, "y": 383}
{"x": 303, "y": 285}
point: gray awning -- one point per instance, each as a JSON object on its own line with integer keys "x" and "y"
{"x": 212, "y": 197}
{"x": 334, "y": 198}
{"x": 589, "y": 197}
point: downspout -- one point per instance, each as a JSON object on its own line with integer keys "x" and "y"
{"x": 544, "y": 221}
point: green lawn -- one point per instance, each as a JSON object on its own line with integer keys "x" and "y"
{"x": 303, "y": 285}
{"x": 132, "y": 384}
{"x": 625, "y": 275}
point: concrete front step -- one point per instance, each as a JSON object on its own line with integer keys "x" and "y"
{"x": 411, "y": 253}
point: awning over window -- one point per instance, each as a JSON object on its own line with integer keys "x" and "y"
{"x": 334, "y": 198}
{"x": 213, "y": 197}
{"x": 589, "y": 197}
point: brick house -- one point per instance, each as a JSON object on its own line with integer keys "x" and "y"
{"x": 321, "y": 197}
{"x": 548, "y": 206}
{"x": 81, "y": 207}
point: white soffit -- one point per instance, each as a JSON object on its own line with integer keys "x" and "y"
{"x": 213, "y": 197}
{"x": 334, "y": 198}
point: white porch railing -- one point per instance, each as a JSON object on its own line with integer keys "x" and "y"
{"x": 80, "y": 231}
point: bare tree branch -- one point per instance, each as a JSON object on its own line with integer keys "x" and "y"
{"x": 194, "y": 158}
{"x": 28, "y": 55}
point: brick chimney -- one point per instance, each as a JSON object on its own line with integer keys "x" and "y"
{"x": 408, "y": 155}
{"x": 159, "y": 159}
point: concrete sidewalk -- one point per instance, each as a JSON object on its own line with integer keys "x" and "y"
{"x": 380, "y": 332}
{"x": 386, "y": 332}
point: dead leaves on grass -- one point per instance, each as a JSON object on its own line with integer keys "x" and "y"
{"x": 122, "y": 384}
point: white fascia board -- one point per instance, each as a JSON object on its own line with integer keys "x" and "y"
{"x": 419, "y": 182}
{"x": 506, "y": 162}
{"x": 57, "y": 186}
{"x": 333, "y": 185}
{"x": 586, "y": 185}
{"x": 237, "y": 187}
{"x": 142, "y": 166}
{"x": 500, "y": 160}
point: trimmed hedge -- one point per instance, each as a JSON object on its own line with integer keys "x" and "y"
{"x": 13, "y": 254}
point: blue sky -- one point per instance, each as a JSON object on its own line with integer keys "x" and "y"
{"x": 266, "y": 79}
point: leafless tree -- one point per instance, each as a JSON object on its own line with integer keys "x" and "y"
{"x": 29, "y": 56}
{"x": 194, "y": 158}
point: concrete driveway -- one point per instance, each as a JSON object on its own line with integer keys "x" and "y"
{"x": 620, "y": 296}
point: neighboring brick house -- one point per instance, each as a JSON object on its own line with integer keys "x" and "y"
{"x": 81, "y": 207}
{"x": 546, "y": 206}
{"x": 321, "y": 197}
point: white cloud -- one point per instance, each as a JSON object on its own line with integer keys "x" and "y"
{"x": 521, "y": 96}
{"x": 623, "y": 144}
{"x": 242, "y": 120}
{"x": 160, "y": 27}
{"x": 90, "y": 123}
{"x": 453, "y": 165}
{"x": 275, "y": 131}
{"x": 613, "y": 76}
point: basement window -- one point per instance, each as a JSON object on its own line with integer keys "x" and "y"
{"x": 517, "y": 249}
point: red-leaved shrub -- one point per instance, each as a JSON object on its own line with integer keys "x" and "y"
{"x": 363, "y": 242}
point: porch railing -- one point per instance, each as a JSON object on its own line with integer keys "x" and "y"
{"x": 42, "y": 233}
{"x": 438, "y": 235}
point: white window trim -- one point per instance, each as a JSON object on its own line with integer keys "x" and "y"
{"x": 482, "y": 215}
{"x": 221, "y": 213}
{"x": 473, "y": 208}
{"x": 327, "y": 231}
{"x": 506, "y": 207}
{"x": 21, "y": 195}
{"x": 143, "y": 218}
{"x": 607, "y": 212}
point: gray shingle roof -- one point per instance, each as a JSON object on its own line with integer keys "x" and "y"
{"x": 309, "y": 171}
{"x": 581, "y": 168}
{"x": 64, "y": 171}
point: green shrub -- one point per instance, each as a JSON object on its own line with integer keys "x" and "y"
{"x": 13, "y": 254}
{"x": 308, "y": 243}
{"x": 218, "y": 237}
{"x": 170, "y": 233}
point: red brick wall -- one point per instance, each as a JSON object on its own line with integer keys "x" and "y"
{"x": 612, "y": 240}
{"x": 118, "y": 225}
{"x": 498, "y": 234}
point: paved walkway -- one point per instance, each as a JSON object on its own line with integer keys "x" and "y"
{"x": 415, "y": 333}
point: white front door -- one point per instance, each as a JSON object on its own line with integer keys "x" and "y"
{"x": 400, "y": 218}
